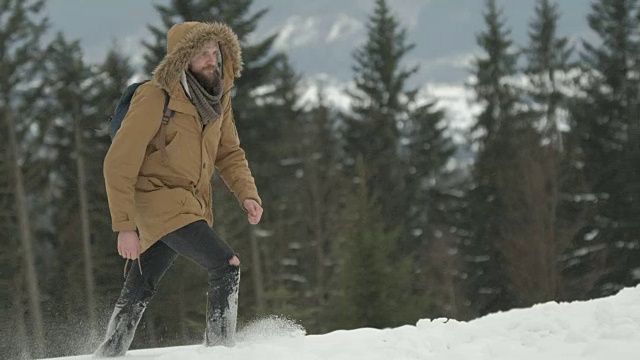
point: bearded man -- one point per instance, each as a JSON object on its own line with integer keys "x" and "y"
{"x": 158, "y": 174}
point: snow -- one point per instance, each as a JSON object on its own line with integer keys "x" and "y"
{"x": 606, "y": 328}
{"x": 457, "y": 101}
{"x": 298, "y": 31}
{"x": 344, "y": 28}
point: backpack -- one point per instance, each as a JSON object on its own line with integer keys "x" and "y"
{"x": 122, "y": 108}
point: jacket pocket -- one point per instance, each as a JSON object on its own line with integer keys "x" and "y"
{"x": 172, "y": 147}
{"x": 164, "y": 167}
{"x": 157, "y": 206}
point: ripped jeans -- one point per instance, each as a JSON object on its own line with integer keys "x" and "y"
{"x": 199, "y": 243}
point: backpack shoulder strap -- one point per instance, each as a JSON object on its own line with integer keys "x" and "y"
{"x": 167, "y": 114}
{"x": 167, "y": 98}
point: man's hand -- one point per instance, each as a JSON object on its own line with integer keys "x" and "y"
{"x": 128, "y": 244}
{"x": 254, "y": 209}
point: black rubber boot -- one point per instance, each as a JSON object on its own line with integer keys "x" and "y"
{"x": 121, "y": 329}
{"x": 138, "y": 290}
{"x": 222, "y": 308}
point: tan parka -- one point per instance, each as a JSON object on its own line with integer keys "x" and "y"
{"x": 157, "y": 196}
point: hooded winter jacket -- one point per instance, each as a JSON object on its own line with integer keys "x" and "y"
{"x": 157, "y": 195}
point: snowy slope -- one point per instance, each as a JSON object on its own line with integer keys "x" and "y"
{"x": 607, "y": 328}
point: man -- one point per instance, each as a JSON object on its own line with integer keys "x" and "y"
{"x": 157, "y": 175}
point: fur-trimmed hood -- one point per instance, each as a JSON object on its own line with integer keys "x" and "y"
{"x": 185, "y": 39}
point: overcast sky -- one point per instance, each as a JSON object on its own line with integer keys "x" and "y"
{"x": 320, "y": 36}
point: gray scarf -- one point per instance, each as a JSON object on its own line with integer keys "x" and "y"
{"x": 208, "y": 104}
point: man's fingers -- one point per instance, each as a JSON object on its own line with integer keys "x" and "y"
{"x": 134, "y": 253}
{"x": 256, "y": 210}
{"x": 254, "y": 216}
{"x": 130, "y": 254}
{"x": 252, "y": 208}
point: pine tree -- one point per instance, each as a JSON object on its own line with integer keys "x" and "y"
{"x": 14, "y": 328}
{"x": 548, "y": 64}
{"x": 20, "y": 35}
{"x": 540, "y": 229}
{"x": 605, "y": 119}
{"x": 70, "y": 88}
{"x": 372, "y": 282}
{"x": 428, "y": 184}
{"x": 492, "y": 73}
{"x": 322, "y": 192}
{"x": 311, "y": 196}
{"x": 281, "y": 107}
{"x": 379, "y": 109}
{"x": 428, "y": 152}
{"x": 401, "y": 140}
{"x": 496, "y": 140}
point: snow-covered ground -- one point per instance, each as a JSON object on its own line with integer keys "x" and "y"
{"x": 607, "y": 328}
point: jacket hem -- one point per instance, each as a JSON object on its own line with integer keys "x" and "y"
{"x": 146, "y": 241}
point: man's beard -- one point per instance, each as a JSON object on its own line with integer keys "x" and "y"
{"x": 206, "y": 81}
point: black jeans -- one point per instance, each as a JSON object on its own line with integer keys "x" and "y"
{"x": 199, "y": 243}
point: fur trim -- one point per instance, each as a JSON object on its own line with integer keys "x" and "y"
{"x": 170, "y": 69}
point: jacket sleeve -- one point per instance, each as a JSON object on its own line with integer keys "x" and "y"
{"x": 231, "y": 160}
{"x": 127, "y": 152}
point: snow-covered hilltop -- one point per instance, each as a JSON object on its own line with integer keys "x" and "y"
{"x": 607, "y": 328}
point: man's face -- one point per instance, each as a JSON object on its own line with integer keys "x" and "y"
{"x": 204, "y": 64}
